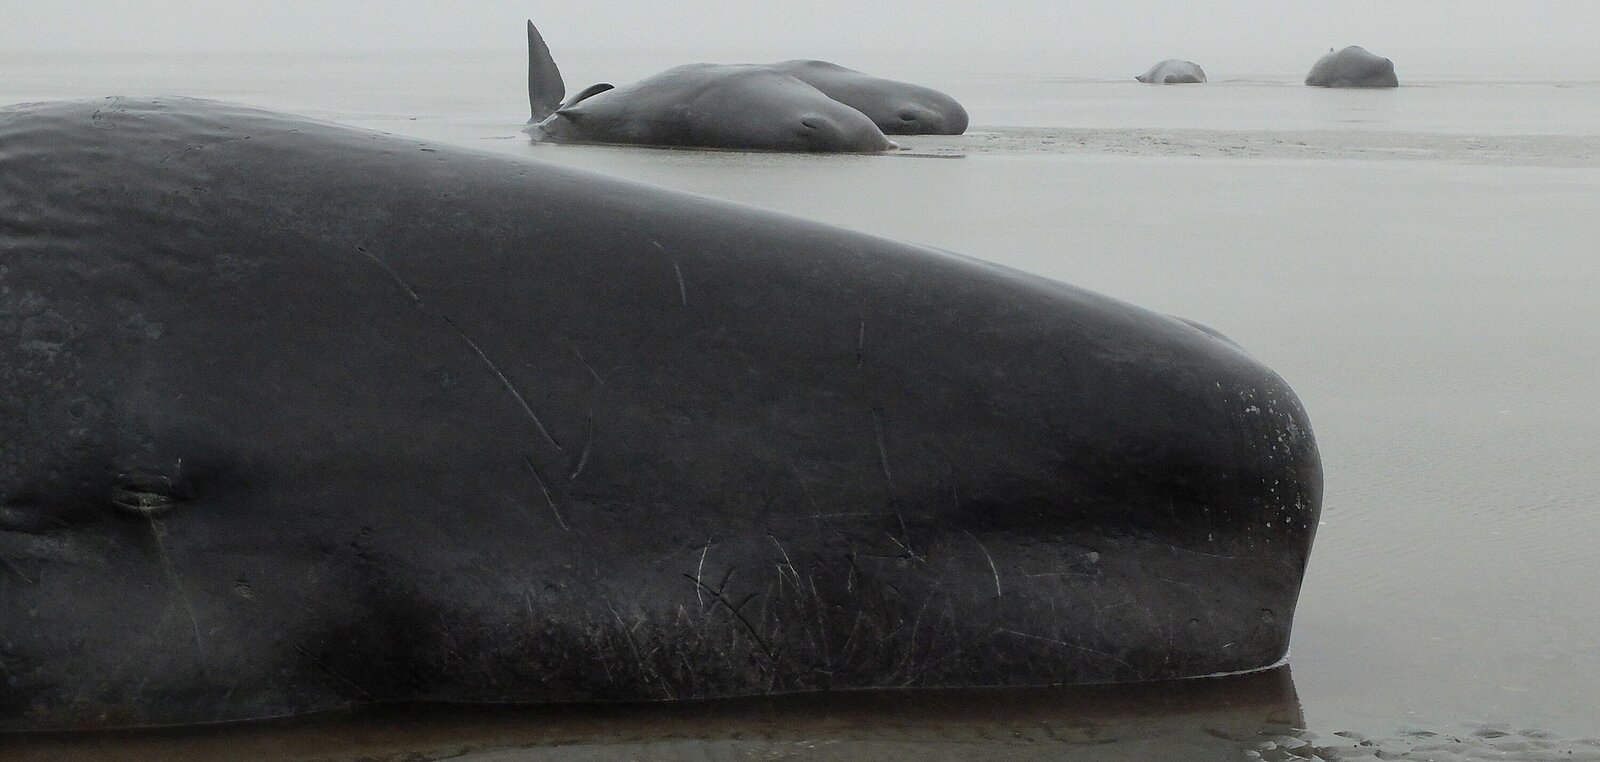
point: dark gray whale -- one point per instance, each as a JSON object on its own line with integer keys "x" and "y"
{"x": 898, "y": 108}
{"x": 1352, "y": 67}
{"x": 1173, "y": 72}
{"x": 696, "y": 106}
{"x": 299, "y": 416}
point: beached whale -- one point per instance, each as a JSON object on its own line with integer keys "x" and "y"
{"x": 298, "y": 416}
{"x": 1353, "y": 66}
{"x": 1173, "y": 72}
{"x": 898, "y": 108}
{"x": 696, "y": 106}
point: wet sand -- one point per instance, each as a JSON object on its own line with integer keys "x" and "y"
{"x": 1581, "y": 151}
{"x": 1426, "y": 280}
{"x": 1210, "y": 719}
{"x": 1255, "y": 716}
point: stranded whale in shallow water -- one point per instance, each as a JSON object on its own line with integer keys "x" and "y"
{"x": 1173, "y": 72}
{"x": 696, "y": 106}
{"x": 898, "y": 108}
{"x": 1352, "y": 67}
{"x": 299, "y": 416}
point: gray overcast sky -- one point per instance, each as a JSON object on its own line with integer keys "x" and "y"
{"x": 1555, "y": 38}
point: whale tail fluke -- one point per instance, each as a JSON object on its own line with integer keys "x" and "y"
{"x": 545, "y": 88}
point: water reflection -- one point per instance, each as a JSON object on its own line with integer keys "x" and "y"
{"x": 1243, "y": 717}
{"x": 1217, "y": 718}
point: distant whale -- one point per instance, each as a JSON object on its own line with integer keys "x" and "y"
{"x": 1352, "y": 67}
{"x": 1173, "y": 72}
{"x": 298, "y": 416}
{"x": 898, "y": 108}
{"x": 696, "y": 106}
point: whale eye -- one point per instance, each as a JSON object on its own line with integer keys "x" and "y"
{"x": 147, "y": 493}
{"x": 908, "y": 116}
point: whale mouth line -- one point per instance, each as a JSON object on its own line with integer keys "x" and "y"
{"x": 23, "y": 520}
{"x": 20, "y": 549}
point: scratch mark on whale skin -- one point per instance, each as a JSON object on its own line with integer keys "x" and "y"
{"x": 546, "y": 490}
{"x": 683, "y": 291}
{"x": 1063, "y": 643}
{"x": 883, "y": 450}
{"x": 699, "y": 572}
{"x": 392, "y": 274}
{"x": 738, "y": 613}
{"x": 171, "y": 573}
{"x": 526, "y": 408}
{"x": 588, "y": 444}
{"x": 795, "y": 574}
{"x": 990, "y": 559}
{"x": 641, "y": 659}
{"x": 521, "y": 401}
{"x": 588, "y": 367}
{"x": 861, "y": 342}
{"x": 329, "y": 670}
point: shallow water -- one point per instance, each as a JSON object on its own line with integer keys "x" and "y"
{"x": 1420, "y": 264}
{"x": 1244, "y": 717}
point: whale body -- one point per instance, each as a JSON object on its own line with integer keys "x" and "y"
{"x": 299, "y": 416}
{"x": 1173, "y": 72}
{"x": 701, "y": 105}
{"x": 898, "y": 108}
{"x": 1353, "y": 66}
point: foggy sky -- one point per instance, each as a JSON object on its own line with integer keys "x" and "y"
{"x": 1553, "y": 38}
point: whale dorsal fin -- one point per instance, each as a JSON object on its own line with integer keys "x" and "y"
{"x": 594, "y": 89}
{"x": 545, "y": 88}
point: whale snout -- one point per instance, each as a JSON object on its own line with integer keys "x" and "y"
{"x": 1385, "y": 72}
{"x": 822, "y": 132}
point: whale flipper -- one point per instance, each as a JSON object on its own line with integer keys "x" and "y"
{"x": 545, "y": 88}
{"x": 592, "y": 90}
